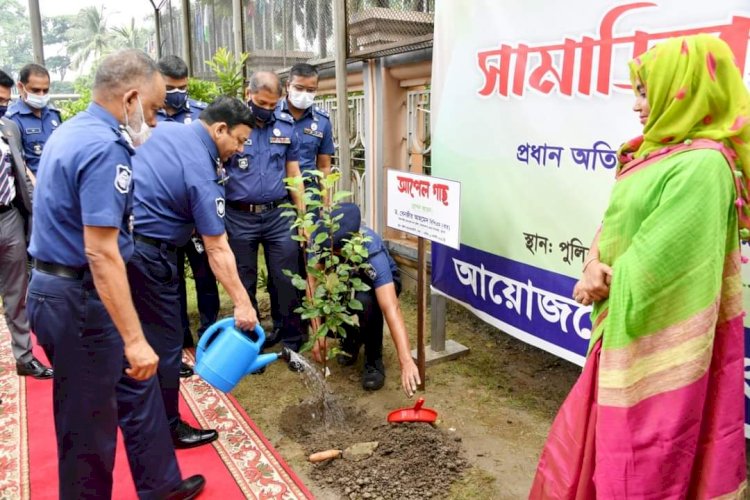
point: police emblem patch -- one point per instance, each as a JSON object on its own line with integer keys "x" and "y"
{"x": 123, "y": 177}
{"x": 54, "y": 123}
{"x": 276, "y": 132}
{"x": 314, "y": 126}
{"x": 37, "y": 149}
{"x": 220, "y": 207}
{"x": 188, "y": 121}
{"x": 242, "y": 163}
{"x": 371, "y": 273}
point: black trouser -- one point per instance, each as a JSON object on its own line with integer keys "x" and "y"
{"x": 206, "y": 291}
{"x": 370, "y": 330}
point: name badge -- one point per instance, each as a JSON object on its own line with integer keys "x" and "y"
{"x": 280, "y": 140}
{"x": 314, "y": 133}
{"x": 33, "y": 131}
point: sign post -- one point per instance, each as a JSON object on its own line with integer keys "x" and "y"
{"x": 429, "y": 208}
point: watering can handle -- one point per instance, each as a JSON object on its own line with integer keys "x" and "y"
{"x": 219, "y": 326}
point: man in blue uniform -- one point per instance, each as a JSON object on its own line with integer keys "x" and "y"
{"x": 79, "y": 299}
{"x": 32, "y": 113}
{"x": 314, "y": 131}
{"x": 381, "y": 300}
{"x": 180, "y": 108}
{"x": 15, "y": 224}
{"x": 255, "y": 193}
{"x": 179, "y": 188}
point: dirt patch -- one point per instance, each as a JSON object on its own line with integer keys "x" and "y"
{"x": 412, "y": 460}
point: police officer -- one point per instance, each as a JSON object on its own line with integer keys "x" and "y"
{"x": 381, "y": 300}
{"x": 178, "y": 107}
{"x": 314, "y": 131}
{"x": 179, "y": 187}
{"x": 79, "y": 299}
{"x": 255, "y": 193}
{"x": 32, "y": 113}
{"x": 15, "y": 224}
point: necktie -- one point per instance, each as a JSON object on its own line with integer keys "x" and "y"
{"x": 7, "y": 185}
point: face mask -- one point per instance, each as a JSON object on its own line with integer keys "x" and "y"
{"x": 3, "y": 109}
{"x": 37, "y": 101}
{"x": 176, "y": 98}
{"x": 301, "y": 100}
{"x": 262, "y": 115}
{"x": 139, "y": 132}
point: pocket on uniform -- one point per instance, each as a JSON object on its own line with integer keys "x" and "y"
{"x": 160, "y": 270}
{"x": 278, "y": 157}
{"x": 44, "y": 313}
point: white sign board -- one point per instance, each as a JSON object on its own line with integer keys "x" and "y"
{"x": 424, "y": 206}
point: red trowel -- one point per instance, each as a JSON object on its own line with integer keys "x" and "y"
{"x": 415, "y": 414}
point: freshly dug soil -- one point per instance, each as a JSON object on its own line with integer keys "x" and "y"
{"x": 412, "y": 460}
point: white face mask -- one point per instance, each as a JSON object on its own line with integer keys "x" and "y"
{"x": 37, "y": 101}
{"x": 301, "y": 100}
{"x": 139, "y": 132}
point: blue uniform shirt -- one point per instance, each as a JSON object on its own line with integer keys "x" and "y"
{"x": 382, "y": 266}
{"x": 188, "y": 114}
{"x": 35, "y": 132}
{"x": 84, "y": 179}
{"x": 177, "y": 186}
{"x": 257, "y": 174}
{"x": 315, "y": 135}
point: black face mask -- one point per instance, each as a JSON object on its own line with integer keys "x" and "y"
{"x": 3, "y": 110}
{"x": 262, "y": 115}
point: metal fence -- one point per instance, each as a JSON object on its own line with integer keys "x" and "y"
{"x": 383, "y": 27}
{"x": 170, "y": 23}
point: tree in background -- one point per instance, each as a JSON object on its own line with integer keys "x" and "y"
{"x": 131, "y": 37}
{"x": 90, "y": 38}
{"x": 15, "y": 37}
{"x": 58, "y": 65}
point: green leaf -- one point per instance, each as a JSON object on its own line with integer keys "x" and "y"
{"x": 355, "y": 305}
{"x": 340, "y": 195}
{"x": 320, "y": 238}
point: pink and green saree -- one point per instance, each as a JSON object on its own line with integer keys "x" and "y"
{"x": 658, "y": 412}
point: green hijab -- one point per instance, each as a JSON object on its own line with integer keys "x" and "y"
{"x": 695, "y": 91}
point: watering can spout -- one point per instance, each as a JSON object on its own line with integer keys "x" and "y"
{"x": 263, "y": 360}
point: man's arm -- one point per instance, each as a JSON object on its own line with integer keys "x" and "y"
{"x": 111, "y": 281}
{"x": 292, "y": 170}
{"x": 323, "y": 163}
{"x": 224, "y": 266}
{"x": 389, "y": 304}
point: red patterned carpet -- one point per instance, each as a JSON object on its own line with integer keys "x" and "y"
{"x": 241, "y": 464}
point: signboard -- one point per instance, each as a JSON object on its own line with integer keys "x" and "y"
{"x": 530, "y": 101}
{"x": 424, "y": 206}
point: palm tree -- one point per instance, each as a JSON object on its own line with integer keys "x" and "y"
{"x": 90, "y": 37}
{"x": 130, "y": 37}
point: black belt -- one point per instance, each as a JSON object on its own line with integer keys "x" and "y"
{"x": 6, "y": 208}
{"x": 258, "y": 208}
{"x": 60, "y": 270}
{"x": 155, "y": 242}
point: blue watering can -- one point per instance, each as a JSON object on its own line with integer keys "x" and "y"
{"x": 224, "y": 354}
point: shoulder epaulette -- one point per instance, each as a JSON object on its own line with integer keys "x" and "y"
{"x": 198, "y": 104}
{"x": 285, "y": 117}
{"x": 321, "y": 111}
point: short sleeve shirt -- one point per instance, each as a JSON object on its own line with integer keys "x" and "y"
{"x": 84, "y": 179}
{"x": 382, "y": 266}
{"x": 314, "y": 133}
{"x": 176, "y": 176}
{"x": 35, "y": 131}
{"x": 257, "y": 174}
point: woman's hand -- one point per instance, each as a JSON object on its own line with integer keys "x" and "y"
{"x": 594, "y": 284}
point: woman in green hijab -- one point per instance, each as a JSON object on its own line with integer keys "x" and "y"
{"x": 659, "y": 409}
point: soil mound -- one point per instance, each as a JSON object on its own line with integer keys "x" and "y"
{"x": 412, "y": 460}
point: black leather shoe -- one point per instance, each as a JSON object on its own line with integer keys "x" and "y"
{"x": 189, "y": 488}
{"x": 185, "y": 370}
{"x": 185, "y": 436}
{"x": 373, "y": 375}
{"x": 35, "y": 369}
